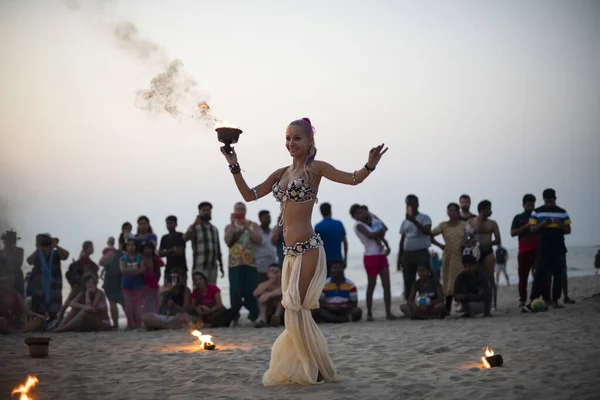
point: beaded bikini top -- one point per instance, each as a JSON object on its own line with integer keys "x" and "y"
{"x": 297, "y": 191}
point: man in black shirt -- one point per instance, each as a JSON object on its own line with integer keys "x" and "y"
{"x": 471, "y": 287}
{"x": 552, "y": 223}
{"x": 172, "y": 246}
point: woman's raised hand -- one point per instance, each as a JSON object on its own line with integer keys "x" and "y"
{"x": 230, "y": 157}
{"x": 375, "y": 155}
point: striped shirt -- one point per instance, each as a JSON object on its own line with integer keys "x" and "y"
{"x": 551, "y": 236}
{"x": 342, "y": 294}
{"x": 206, "y": 246}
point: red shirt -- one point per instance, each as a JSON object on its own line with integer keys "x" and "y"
{"x": 151, "y": 274}
{"x": 208, "y": 299}
{"x": 527, "y": 241}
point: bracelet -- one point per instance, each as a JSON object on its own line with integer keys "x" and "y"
{"x": 234, "y": 168}
{"x": 369, "y": 170}
{"x": 354, "y": 177}
{"x": 255, "y": 194}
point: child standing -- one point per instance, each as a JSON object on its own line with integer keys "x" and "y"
{"x": 110, "y": 246}
{"x": 132, "y": 284}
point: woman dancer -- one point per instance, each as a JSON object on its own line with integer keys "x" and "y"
{"x": 300, "y": 354}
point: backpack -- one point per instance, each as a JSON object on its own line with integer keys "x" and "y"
{"x": 74, "y": 273}
{"x": 501, "y": 256}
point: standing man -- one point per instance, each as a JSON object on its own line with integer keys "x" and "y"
{"x": 172, "y": 246}
{"x": 46, "y": 276}
{"x": 266, "y": 253}
{"x": 465, "y": 206}
{"x": 206, "y": 246}
{"x": 334, "y": 237}
{"x": 528, "y": 246}
{"x": 487, "y": 235}
{"x": 414, "y": 242}
{"x": 553, "y": 223}
{"x": 242, "y": 237}
{"x": 13, "y": 255}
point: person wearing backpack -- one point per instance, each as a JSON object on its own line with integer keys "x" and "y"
{"x": 501, "y": 259}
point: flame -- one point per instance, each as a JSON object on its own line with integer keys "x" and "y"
{"x": 224, "y": 124}
{"x": 24, "y": 389}
{"x": 204, "y": 339}
{"x": 488, "y": 353}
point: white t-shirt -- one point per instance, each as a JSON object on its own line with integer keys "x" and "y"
{"x": 372, "y": 246}
{"x": 414, "y": 239}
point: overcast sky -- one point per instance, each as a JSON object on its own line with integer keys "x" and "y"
{"x": 493, "y": 99}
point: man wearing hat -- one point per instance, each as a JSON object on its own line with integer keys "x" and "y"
{"x": 552, "y": 223}
{"x": 14, "y": 259}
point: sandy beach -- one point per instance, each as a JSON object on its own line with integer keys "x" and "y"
{"x": 552, "y": 355}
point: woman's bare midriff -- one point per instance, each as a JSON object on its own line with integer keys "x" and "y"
{"x": 297, "y": 225}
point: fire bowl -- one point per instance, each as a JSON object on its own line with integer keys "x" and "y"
{"x": 210, "y": 346}
{"x": 228, "y": 136}
{"x": 38, "y": 346}
{"x": 495, "y": 361}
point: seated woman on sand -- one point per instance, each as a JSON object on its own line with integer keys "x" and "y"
{"x": 426, "y": 298}
{"x": 89, "y": 310}
{"x": 207, "y": 306}
{"x": 176, "y": 300}
{"x": 13, "y": 312}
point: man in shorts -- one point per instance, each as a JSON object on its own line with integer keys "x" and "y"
{"x": 486, "y": 233}
{"x": 375, "y": 257}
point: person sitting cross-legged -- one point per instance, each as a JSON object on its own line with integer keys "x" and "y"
{"x": 426, "y": 297}
{"x": 471, "y": 288}
{"x": 339, "y": 299}
{"x": 268, "y": 294}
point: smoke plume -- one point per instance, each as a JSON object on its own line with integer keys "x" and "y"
{"x": 173, "y": 91}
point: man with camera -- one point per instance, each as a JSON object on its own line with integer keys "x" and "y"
{"x": 46, "y": 279}
{"x": 242, "y": 237}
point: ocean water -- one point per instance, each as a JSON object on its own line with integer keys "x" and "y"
{"x": 580, "y": 262}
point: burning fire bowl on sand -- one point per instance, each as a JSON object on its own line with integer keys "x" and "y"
{"x": 228, "y": 136}
{"x": 491, "y": 359}
{"x": 38, "y": 346}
